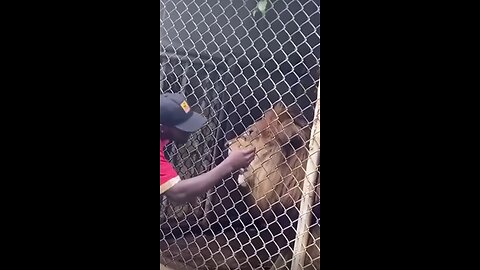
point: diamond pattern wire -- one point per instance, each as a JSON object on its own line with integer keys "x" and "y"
{"x": 234, "y": 64}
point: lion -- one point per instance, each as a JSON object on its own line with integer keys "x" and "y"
{"x": 273, "y": 182}
{"x": 274, "y": 179}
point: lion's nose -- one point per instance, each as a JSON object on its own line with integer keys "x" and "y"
{"x": 228, "y": 144}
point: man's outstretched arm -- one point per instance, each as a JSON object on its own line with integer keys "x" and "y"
{"x": 187, "y": 189}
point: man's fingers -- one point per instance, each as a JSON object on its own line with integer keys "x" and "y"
{"x": 249, "y": 155}
{"x": 249, "y": 150}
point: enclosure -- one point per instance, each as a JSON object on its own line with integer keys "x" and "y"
{"x": 252, "y": 68}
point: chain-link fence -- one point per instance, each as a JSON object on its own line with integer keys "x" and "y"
{"x": 253, "y": 69}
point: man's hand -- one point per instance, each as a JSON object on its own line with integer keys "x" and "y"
{"x": 240, "y": 158}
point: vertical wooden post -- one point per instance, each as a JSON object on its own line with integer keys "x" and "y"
{"x": 308, "y": 191}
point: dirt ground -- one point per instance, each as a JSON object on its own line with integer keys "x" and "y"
{"x": 229, "y": 250}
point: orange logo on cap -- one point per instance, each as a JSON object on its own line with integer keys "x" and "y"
{"x": 185, "y": 106}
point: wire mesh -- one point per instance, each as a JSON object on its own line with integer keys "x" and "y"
{"x": 252, "y": 68}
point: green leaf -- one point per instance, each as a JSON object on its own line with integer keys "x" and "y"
{"x": 262, "y": 6}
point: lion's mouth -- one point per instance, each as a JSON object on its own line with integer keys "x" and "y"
{"x": 241, "y": 178}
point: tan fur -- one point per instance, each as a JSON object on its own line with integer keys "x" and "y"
{"x": 276, "y": 174}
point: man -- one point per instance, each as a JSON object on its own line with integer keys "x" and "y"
{"x": 177, "y": 122}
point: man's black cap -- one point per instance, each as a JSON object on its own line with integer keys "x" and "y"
{"x": 175, "y": 112}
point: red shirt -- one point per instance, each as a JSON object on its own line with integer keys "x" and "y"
{"x": 168, "y": 175}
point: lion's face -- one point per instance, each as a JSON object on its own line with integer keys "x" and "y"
{"x": 280, "y": 144}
